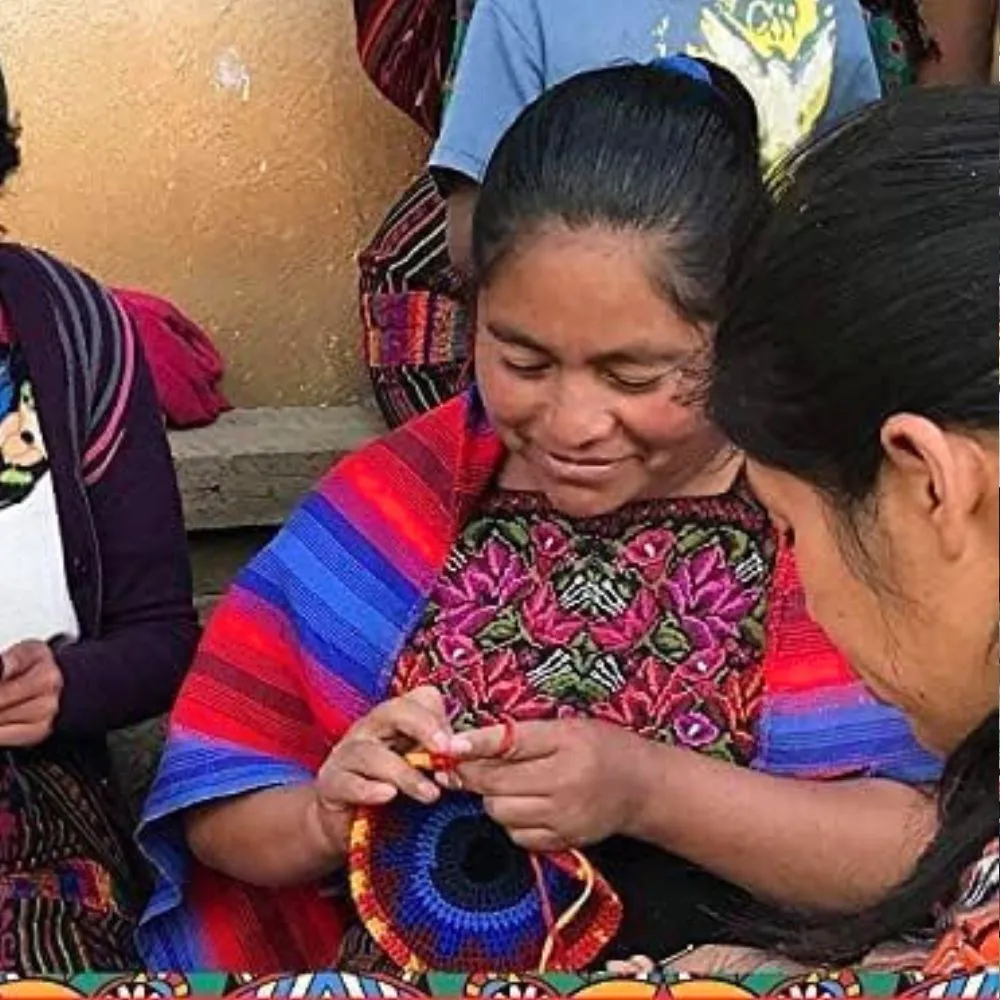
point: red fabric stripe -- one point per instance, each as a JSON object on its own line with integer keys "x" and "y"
{"x": 799, "y": 657}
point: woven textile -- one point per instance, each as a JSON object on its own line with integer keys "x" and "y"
{"x": 443, "y": 886}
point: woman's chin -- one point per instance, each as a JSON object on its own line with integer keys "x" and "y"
{"x": 579, "y": 501}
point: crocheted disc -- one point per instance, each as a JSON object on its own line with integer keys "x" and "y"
{"x": 443, "y": 887}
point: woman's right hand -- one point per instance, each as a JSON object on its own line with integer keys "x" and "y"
{"x": 368, "y": 768}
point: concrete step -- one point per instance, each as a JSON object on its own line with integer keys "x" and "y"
{"x": 251, "y": 467}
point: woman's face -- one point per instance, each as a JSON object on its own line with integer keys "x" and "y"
{"x": 908, "y": 589}
{"x": 582, "y": 365}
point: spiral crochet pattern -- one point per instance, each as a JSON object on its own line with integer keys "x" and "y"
{"x": 443, "y": 887}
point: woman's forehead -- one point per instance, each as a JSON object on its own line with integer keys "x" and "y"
{"x": 587, "y": 293}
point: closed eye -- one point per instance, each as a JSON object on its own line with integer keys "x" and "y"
{"x": 526, "y": 369}
{"x": 636, "y": 384}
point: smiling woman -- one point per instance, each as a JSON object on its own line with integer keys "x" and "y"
{"x": 570, "y": 555}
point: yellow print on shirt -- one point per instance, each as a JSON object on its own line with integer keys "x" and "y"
{"x": 783, "y": 52}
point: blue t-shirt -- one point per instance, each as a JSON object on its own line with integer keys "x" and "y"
{"x": 805, "y": 62}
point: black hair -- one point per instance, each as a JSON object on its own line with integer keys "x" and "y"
{"x": 872, "y": 291}
{"x": 10, "y": 155}
{"x": 635, "y": 148}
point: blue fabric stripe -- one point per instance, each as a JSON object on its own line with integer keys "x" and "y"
{"x": 195, "y": 770}
{"x": 873, "y": 738}
{"x": 345, "y": 652}
{"x": 344, "y": 617}
{"x": 335, "y": 606}
{"x": 352, "y": 548}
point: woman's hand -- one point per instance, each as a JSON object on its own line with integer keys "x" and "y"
{"x": 367, "y": 767}
{"x": 566, "y": 783}
{"x": 30, "y": 690}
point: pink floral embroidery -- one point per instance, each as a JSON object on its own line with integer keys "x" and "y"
{"x": 546, "y": 622}
{"x": 650, "y": 618}
{"x": 492, "y": 578}
{"x": 621, "y": 634}
{"x": 708, "y": 599}
{"x": 648, "y": 552}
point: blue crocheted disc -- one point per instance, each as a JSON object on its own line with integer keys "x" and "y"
{"x": 457, "y": 890}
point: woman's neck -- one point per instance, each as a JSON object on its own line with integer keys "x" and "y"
{"x": 701, "y": 476}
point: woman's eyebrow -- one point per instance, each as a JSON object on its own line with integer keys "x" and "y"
{"x": 637, "y": 354}
{"x": 640, "y": 355}
{"x": 515, "y": 337}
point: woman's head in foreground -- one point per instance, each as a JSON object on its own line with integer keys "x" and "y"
{"x": 859, "y": 374}
{"x": 605, "y": 238}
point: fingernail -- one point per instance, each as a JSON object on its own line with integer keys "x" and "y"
{"x": 427, "y": 791}
{"x": 459, "y": 745}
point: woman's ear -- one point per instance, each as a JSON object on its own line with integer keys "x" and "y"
{"x": 941, "y": 475}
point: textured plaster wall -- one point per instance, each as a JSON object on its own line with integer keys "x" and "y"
{"x": 228, "y": 154}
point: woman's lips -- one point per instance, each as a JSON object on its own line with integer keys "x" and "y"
{"x": 578, "y": 470}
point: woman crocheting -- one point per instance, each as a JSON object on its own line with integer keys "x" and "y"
{"x": 567, "y": 565}
{"x": 875, "y": 447}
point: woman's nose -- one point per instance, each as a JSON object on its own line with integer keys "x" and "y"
{"x": 578, "y": 420}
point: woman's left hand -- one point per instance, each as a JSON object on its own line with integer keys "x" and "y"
{"x": 566, "y": 783}
{"x": 30, "y": 690}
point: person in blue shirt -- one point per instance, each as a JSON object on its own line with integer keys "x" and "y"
{"x": 805, "y": 62}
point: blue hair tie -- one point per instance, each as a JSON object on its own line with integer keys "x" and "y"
{"x": 684, "y": 65}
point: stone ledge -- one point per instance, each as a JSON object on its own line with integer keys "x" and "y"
{"x": 251, "y": 467}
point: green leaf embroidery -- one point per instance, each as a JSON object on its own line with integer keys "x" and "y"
{"x": 500, "y": 631}
{"x": 671, "y": 641}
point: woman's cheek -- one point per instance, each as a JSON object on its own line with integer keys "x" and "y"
{"x": 662, "y": 420}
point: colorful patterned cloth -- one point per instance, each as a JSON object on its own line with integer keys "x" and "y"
{"x": 538, "y": 615}
{"x": 333, "y": 985}
{"x": 307, "y": 642}
{"x": 970, "y": 929}
{"x": 650, "y": 618}
{"x": 68, "y": 893}
{"x": 416, "y": 328}
{"x": 898, "y": 39}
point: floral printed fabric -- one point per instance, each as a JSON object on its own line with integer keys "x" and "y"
{"x": 651, "y": 618}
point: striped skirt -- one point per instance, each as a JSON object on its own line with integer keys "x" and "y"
{"x": 68, "y": 890}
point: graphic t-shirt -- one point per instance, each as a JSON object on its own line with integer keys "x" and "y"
{"x": 34, "y": 595}
{"x": 805, "y": 62}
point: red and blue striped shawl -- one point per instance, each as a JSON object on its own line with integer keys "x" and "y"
{"x": 306, "y": 641}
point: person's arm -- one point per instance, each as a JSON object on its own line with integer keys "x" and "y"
{"x": 461, "y": 206}
{"x": 499, "y": 73}
{"x": 289, "y": 836}
{"x": 271, "y": 838}
{"x": 964, "y": 33}
{"x": 149, "y": 628}
{"x": 818, "y": 845}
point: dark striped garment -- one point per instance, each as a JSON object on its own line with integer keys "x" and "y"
{"x": 405, "y": 47}
{"x": 417, "y": 329}
{"x": 68, "y": 893}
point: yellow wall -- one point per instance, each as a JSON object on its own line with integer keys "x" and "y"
{"x": 228, "y": 154}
